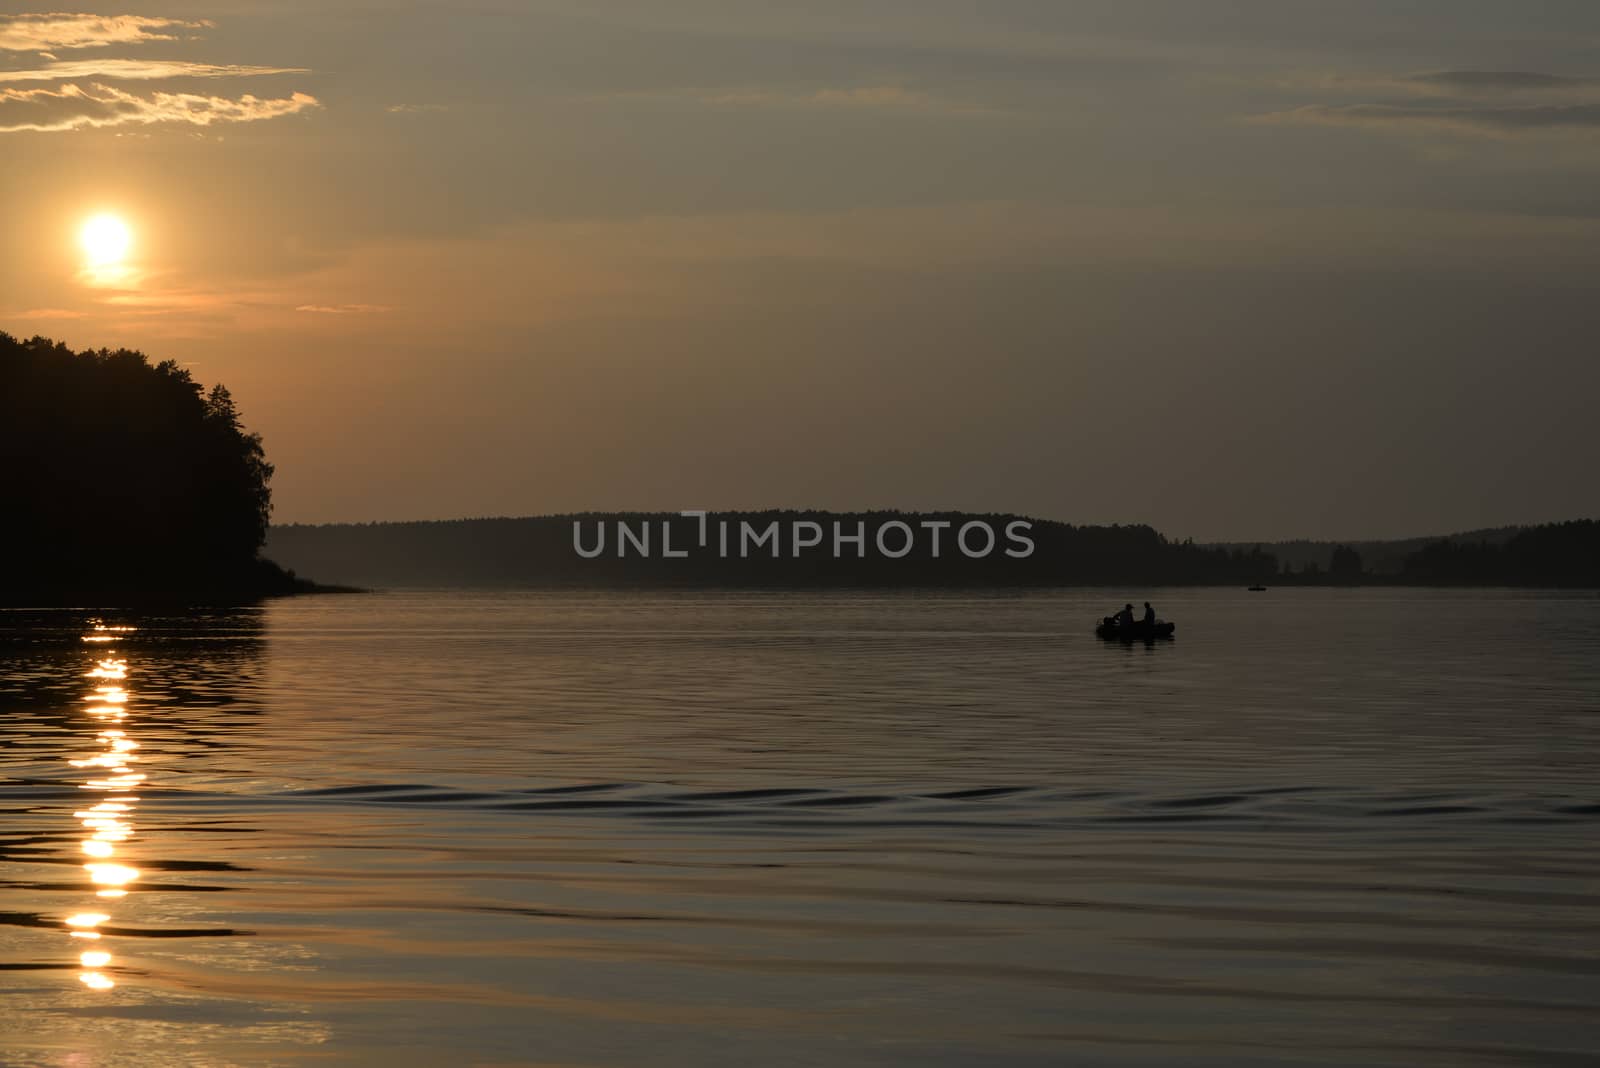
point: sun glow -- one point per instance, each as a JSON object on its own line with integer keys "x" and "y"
{"x": 106, "y": 240}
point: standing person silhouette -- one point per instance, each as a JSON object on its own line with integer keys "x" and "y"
{"x": 1149, "y": 615}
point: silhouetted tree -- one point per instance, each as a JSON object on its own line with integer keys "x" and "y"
{"x": 122, "y": 477}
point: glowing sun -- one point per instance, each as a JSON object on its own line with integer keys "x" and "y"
{"x": 105, "y": 240}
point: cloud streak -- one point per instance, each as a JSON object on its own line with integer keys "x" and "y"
{"x": 48, "y": 32}
{"x": 1498, "y": 82}
{"x": 74, "y": 107}
{"x": 50, "y": 313}
{"x": 1480, "y": 103}
{"x": 887, "y": 99}
{"x": 138, "y": 70}
{"x": 342, "y": 309}
{"x": 1449, "y": 84}
{"x": 1480, "y": 121}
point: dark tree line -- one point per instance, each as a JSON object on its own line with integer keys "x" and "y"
{"x": 538, "y": 552}
{"x": 1557, "y": 554}
{"x": 119, "y": 477}
{"x": 1344, "y": 569}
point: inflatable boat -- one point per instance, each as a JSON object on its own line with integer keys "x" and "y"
{"x": 1137, "y": 631}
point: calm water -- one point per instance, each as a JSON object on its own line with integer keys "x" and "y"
{"x": 1321, "y": 827}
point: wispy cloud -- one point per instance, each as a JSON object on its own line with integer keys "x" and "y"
{"x": 878, "y": 97}
{"x": 73, "y": 107}
{"x": 342, "y": 309}
{"x": 1497, "y": 82}
{"x": 1482, "y": 121}
{"x": 1483, "y": 103}
{"x": 45, "y": 32}
{"x": 138, "y": 70}
{"x": 866, "y": 98}
{"x": 50, "y": 313}
{"x": 415, "y": 109}
{"x": 1444, "y": 84}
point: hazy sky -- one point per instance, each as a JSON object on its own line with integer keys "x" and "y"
{"x": 1237, "y": 268}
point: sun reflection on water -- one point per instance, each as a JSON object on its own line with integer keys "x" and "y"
{"x": 104, "y": 634}
{"x": 108, "y": 822}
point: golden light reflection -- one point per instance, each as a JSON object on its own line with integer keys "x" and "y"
{"x": 102, "y": 633}
{"x": 107, "y": 822}
{"x": 87, "y": 919}
{"x": 111, "y": 874}
{"x": 115, "y": 782}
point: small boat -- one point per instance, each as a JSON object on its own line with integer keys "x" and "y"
{"x": 1137, "y": 631}
{"x": 1256, "y": 589}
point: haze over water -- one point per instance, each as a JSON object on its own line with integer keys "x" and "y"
{"x": 1321, "y": 827}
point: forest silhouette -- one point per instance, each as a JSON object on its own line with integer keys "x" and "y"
{"x": 537, "y": 551}
{"x": 124, "y": 479}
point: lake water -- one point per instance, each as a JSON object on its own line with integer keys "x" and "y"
{"x": 1320, "y": 827}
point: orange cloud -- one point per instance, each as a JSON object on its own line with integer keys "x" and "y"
{"x": 51, "y": 313}
{"x": 43, "y": 32}
{"x": 342, "y": 309}
{"x": 73, "y": 107}
{"x": 137, "y": 69}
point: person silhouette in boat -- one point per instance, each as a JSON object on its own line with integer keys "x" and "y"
{"x": 1125, "y": 617}
{"x": 1149, "y": 615}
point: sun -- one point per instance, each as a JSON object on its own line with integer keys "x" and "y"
{"x": 105, "y": 240}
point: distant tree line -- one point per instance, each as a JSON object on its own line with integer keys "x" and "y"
{"x": 1553, "y": 555}
{"x": 121, "y": 478}
{"x": 1379, "y": 557}
{"x": 1344, "y": 569}
{"x": 539, "y": 552}
{"x": 1556, "y": 554}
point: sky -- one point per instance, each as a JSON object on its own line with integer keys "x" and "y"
{"x": 1241, "y": 269}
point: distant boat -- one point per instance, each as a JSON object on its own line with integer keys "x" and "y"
{"x": 1137, "y": 631}
{"x": 1256, "y": 589}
